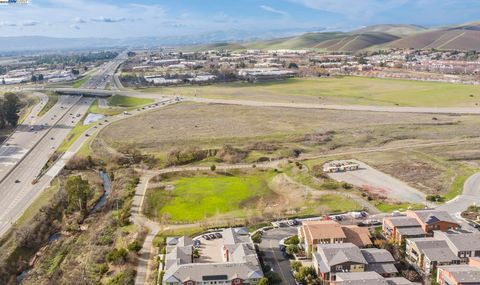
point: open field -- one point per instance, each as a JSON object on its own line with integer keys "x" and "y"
{"x": 237, "y": 195}
{"x": 275, "y": 132}
{"x": 340, "y": 90}
{"x": 196, "y": 198}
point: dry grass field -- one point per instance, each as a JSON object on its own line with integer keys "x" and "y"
{"x": 347, "y": 90}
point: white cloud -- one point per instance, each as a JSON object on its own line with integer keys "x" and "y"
{"x": 108, "y": 19}
{"x": 273, "y": 10}
{"x": 30, "y": 23}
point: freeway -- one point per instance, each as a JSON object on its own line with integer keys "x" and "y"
{"x": 105, "y": 74}
{"x": 28, "y": 134}
{"x": 16, "y": 189}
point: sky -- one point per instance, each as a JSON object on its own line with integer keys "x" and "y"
{"x": 140, "y": 18}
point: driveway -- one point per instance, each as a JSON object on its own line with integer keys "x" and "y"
{"x": 272, "y": 254}
{"x": 380, "y": 183}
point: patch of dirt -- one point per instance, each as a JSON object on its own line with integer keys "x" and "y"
{"x": 419, "y": 174}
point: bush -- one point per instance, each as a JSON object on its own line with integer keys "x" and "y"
{"x": 257, "y": 237}
{"x": 135, "y": 246}
{"x": 330, "y": 185}
{"x": 117, "y": 256}
{"x": 293, "y": 240}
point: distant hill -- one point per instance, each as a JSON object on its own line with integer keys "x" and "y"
{"x": 463, "y": 37}
{"x": 355, "y": 42}
{"x": 396, "y": 30}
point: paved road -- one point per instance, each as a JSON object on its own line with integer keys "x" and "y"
{"x": 273, "y": 256}
{"x": 30, "y": 132}
{"x": 471, "y": 195}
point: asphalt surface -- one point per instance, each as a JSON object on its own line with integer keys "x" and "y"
{"x": 30, "y": 132}
{"x": 470, "y": 196}
{"x": 17, "y": 190}
{"x": 273, "y": 255}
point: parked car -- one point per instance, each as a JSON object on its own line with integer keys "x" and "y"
{"x": 206, "y": 237}
{"x": 212, "y": 236}
{"x": 196, "y": 242}
{"x": 282, "y": 225}
{"x": 218, "y": 235}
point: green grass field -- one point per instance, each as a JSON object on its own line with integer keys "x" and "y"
{"x": 127, "y": 102}
{"x": 340, "y": 90}
{"x": 196, "y": 198}
{"x": 78, "y": 83}
{"x": 52, "y": 100}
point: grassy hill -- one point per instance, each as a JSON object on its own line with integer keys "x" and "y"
{"x": 464, "y": 37}
{"x": 396, "y": 30}
{"x": 461, "y": 37}
{"x": 355, "y": 42}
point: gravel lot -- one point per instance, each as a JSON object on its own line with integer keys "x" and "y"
{"x": 377, "y": 182}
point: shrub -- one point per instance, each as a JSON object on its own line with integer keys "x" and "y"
{"x": 117, "y": 256}
{"x": 293, "y": 240}
{"x": 134, "y": 246}
{"x": 257, "y": 237}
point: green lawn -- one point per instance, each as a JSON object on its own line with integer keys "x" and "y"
{"x": 196, "y": 198}
{"x": 78, "y": 83}
{"x": 388, "y": 208}
{"x": 74, "y": 134}
{"x": 335, "y": 204}
{"x": 340, "y": 90}
{"x": 52, "y": 100}
{"x": 128, "y": 102}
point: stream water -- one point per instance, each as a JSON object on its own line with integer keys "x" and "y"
{"x": 100, "y": 203}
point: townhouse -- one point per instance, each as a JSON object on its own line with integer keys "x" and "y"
{"x": 370, "y": 278}
{"x": 229, "y": 260}
{"x": 428, "y": 253}
{"x": 313, "y": 233}
{"x": 416, "y": 224}
{"x": 331, "y": 259}
{"x": 397, "y": 229}
{"x": 380, "y": 261}
{"x": 433, "y": 220}
{"x": 464, "y": 244}
{"x": 460, "y": 274}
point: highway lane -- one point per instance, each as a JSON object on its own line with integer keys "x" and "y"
{"x": 30, "y": 132}
{"x": 17, "y": 191}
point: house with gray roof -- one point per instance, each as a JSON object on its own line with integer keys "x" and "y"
{"x": 233, "y": 260}
{"x": 380, "y": 261}
{"x": 399, "y": 228}
{"x": 428, "y": 253}
{"x": 464, "y": 244}
{"x": 331, "y": 259}
{"x": 368, "y": 278}
{"x": 434, "y": 220}
{"x": 459, "y": 275}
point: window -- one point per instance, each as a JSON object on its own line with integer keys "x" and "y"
{"x": 236, "y": 281}
{"x": 189, "y": 283}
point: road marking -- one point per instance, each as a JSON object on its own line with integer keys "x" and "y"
{"x": 284, "y": 279}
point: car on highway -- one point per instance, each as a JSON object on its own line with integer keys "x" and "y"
{"x": 17, "y": 181}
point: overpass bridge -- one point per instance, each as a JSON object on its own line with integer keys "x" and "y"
{"x": 85, "y": 92}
